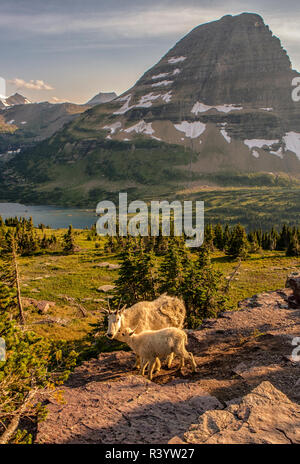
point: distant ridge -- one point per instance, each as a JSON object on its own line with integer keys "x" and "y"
{"x": 102, "y": 97}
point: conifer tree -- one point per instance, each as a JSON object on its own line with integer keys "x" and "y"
{"x": 294, "y": 246}
{"x": 218, "y": 237}
{"x": 209, "y": 237}
{"x": 171, "y": 271}
{"x": 238, "y": 245}
{"x": 283, "y": 241}
{"x": 69, "y": 241}
{"x": 226, "y": 236}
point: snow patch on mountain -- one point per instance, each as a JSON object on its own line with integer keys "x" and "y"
{"x": 176, "y": 71}
{"x": 279, "y": 152}
{"x": 202, "y": 108}
{"x": 165, "y": 83}
{"x": 225, "y": 135}
{"x": 126, "y": 106}
{"x": 191, "y": 129}
{"x": 292, "y": 142}
{"x": 159, "y": 76}
{"x": 167, "y": 96}
{"x": 113, "y": 127}
{"x": 259, "y": 143}
{"x": 266, "y": 109}
{"x": 146, "y": 100}
{"x": 176, "y": 59}
{"x": 141, "y": 127}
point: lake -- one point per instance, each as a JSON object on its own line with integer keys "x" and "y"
{"x": 52, "y": 216}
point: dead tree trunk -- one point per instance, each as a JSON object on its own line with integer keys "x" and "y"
{"x": 18, "y": 287}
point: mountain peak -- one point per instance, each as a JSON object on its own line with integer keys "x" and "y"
{"x": 102, "y": 97}
{"x": 15, "y": 99}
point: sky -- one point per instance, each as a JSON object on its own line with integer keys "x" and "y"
{"x": 69, "y": 50}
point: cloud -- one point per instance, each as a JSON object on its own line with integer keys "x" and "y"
{"x": 32, "y": 84}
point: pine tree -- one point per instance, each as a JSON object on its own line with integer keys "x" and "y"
{"x": 69, "y": 241}
{"x": 226, "y": 236}
{"x": 203, "y": 291}
{"x": 293, "y": 247}
{"x": 283, "y": 241}
{"x": 238, "y": 245}
{"x": 171, "y": 271}
{"x": 126, "y": 284}
{"x": 218, "y": 237}
{"x": 9, "y": 274}
{"x": 209, "y": 236}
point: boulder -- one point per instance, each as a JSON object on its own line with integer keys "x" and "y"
{"x": 42, "y": 306}
{"x": 265, "y": 415}
{"x": 293, "y": 282}
{"x": 105, "y": 288}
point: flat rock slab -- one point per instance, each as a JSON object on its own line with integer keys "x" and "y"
{"x": 266, "y": 313}
{"x": 129, "y": 409}
{"x": 106, "y": 288}
{"x": 265, "y": 415}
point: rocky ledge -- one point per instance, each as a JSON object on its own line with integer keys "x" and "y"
{"x": 246, "y": 390}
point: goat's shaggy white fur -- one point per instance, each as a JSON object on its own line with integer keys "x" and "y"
{"x": 164, "y": 311}
{"x": 152, "y": 345}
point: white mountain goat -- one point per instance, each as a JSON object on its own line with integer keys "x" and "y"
{"x": 153, "y": 345}
{"x": 164, "y": 311}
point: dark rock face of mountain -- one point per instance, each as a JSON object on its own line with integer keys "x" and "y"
{"x": 236, "y": 60}
{"x": 102, "y": 97}
{"x": 225, "y": 91}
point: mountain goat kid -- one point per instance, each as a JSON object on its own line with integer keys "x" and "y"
{"x": 153, "y": 345}
{"x": 164, "y": 311}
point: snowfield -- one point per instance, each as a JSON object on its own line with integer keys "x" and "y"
{"x": 159, "y": 76}
{"x": 292, "y": 142}
{"x": 113, "y": 127}
{"x": 202, "y": 108}
{"x": 141, "y": 127}
{"x": 176, "y": 59}
{"x": 165, "y": 83}
{"x": 259, "y": 143}
{"x": 191, "y": 129}
{"x": 225, "y": 135}
{"x": 126, "y": 106}
{"x": 167, "y": 96}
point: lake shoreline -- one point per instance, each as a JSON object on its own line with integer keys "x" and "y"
{"x": 56, "y": 217}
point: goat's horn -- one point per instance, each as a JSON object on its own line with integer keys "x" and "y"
{"x": 109, "y": 308}
{"x": 134, "y": 329}
{"x": 122, "y": 309}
